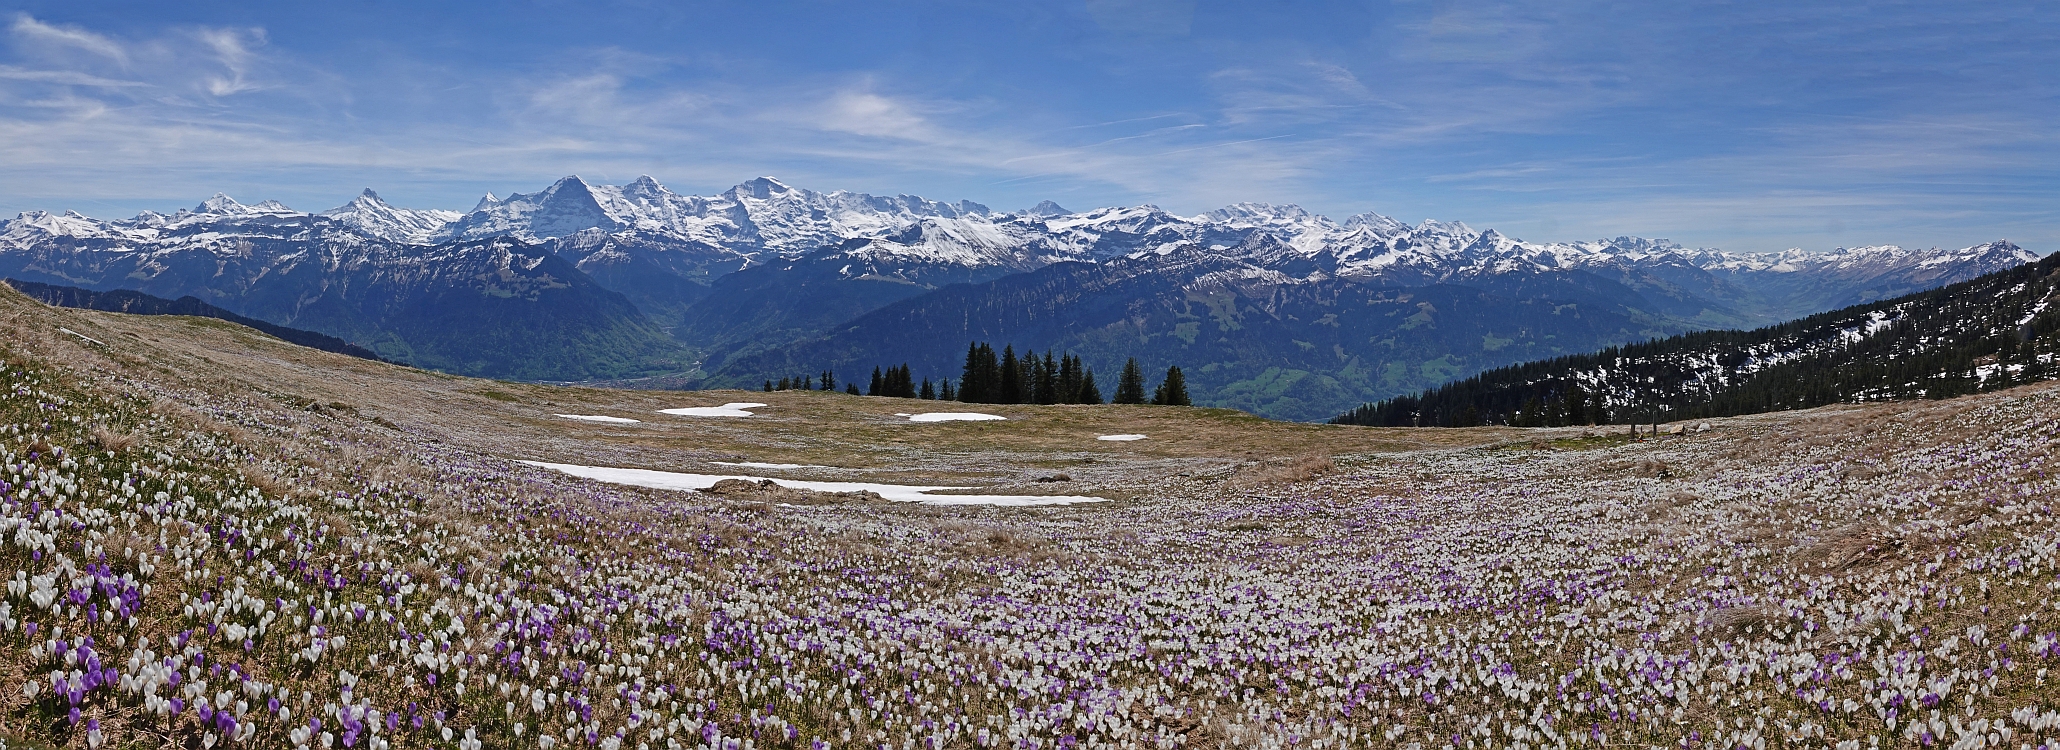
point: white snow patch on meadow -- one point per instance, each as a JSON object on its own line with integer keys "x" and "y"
{"x": 599, "y": 418}
{"x": 758, "y": 465}
{"x": 1120, "y": 438}
{"x": 954, "y": 416}
{"x": 726, "y": 410}
{"x": 900, "y": 493}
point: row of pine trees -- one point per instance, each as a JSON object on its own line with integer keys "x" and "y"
{"x": 1007, "y": 378}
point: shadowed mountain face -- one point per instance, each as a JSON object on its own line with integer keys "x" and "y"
{"x": 1268, "y": 308}
{"x": 1248, "y": 337}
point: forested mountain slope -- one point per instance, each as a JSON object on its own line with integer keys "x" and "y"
{"x": 1992, "y": 332}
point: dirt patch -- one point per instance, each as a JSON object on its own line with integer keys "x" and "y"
{"x": 1280, "y": 471}
{"x": 768, "y": 491}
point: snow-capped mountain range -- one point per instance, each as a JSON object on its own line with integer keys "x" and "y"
{"x": 765, "y": 265}
{"x": 763, "y": 217}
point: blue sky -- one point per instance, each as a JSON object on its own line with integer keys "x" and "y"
{"x": 1746, "y": 126}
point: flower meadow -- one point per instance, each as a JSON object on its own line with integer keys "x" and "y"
{"x": 208, "y": 570}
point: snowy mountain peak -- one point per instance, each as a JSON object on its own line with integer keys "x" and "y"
{"x": 1379, "y": 225}
{"x": 372, "y": 215}
{"x": 644, "y": 187}
{"x": 485, "y": 202}
{"x": 1046, "y": 209}
{"x": 1450, "y": 229}
{"x": 763, "y": 188}
{"x": 219, "y": 204}
{"x": 1258, "y": 214}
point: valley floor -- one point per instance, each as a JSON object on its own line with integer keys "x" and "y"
{"x": 213, "y": 539}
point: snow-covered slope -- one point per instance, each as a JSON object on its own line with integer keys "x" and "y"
{"x": 367, "y": 213}
{"x": 761, "y": 214}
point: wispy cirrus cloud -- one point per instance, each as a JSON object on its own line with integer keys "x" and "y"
{"x": 32, "y": 31}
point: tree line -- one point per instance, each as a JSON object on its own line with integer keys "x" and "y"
{"x": 1006, "y": 377}
{"x": 1984, "y": 334}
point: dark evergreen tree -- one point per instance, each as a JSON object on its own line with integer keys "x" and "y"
{"x": 852, "y": 388}
{"x": 1088, "y": 393}
{"x": 929, "y": 392}
{"x": 768, "y": 386}
{"x": 1130, "y": 385}
{"x": 1173, "y": 390}
{"x": 1048, "y": 380}
{"x": 1069, "y": 379}
{"x": 878, "y": 382}
{"x": 786, "y": 384}
{"x": 1011, "y": 385}
{"x": 945, "y": 392}
{"x": 828, "y": 381}
{"x": 981, "y": 381}
{"x": 898, "y": 382}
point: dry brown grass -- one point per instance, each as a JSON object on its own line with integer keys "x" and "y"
{"x": 1857, "y": 545}
{"x": 516, "y": 420}
{"x": 1743, "y": 617}
{"x": 1281, "y": 471}
{"x": 112, "y": 441}
{"x": 763, "y": 493}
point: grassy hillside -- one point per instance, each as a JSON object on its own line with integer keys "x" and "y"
{"x": 219, "y": 540}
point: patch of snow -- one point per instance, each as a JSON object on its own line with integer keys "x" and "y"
{"x": 758, "y": 465}
{"x": 900, "y": 493}
{"x": 953, "y": 416}
{"x": 1120, "y": 438}
{"x": 736, "y": 409}
{"x": 599, "y": 418}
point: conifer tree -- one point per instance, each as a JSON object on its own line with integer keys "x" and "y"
{"x": 1130, "y": 385}
{"x": 1048, "y": 380}
{"x": 828, "y": 382}
{"x": 786, "y": 384}
{"x": 852, "y": 388}
{"x": 900, "y": 382}
{"x": 1069, "y": 379}
{"x": 1011, "y": 390}
{"x": 945, "y": 392}
{"x": 1088, "y": 394}
{"x": 1173, "y": 390}
{"x": 929, "y": 392}
{"x": 875, "y": 390}
{"x": 981, "y": 382}
{"x": 768, "y": 386}
{"x": 969, "y": 378}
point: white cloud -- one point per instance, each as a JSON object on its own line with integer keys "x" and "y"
{"x": 232, "y": 49}
{"x": 65, "y": 77}
{"x": 28, "y": 28}
{"x": 867, "y": 113}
